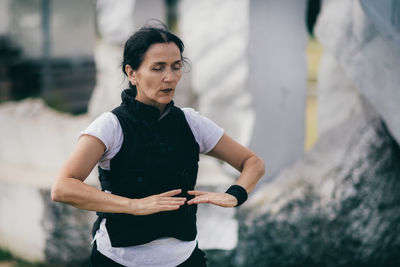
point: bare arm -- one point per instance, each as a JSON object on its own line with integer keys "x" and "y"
{"x": 242, "y": 159}
{"x": 249, "y": 164}
{"x": 70, "y": 188}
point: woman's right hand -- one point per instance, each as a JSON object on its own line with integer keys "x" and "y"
{"x": 157, "y": 203}
{"x": 69, "y": 187}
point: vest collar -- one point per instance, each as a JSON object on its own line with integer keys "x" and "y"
{"x": 143, "y": 111}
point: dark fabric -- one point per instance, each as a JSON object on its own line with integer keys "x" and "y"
{"x": 99, "y": 260}
{"x": 157, "y": 155}
{"x": 196, "y": 259}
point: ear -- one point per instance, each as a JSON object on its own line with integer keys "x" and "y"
{"x": 131, "y": 74}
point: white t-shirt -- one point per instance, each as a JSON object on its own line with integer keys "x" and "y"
{"x": 163, "y": 252}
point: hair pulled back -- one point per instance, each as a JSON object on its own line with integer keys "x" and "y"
{"x": 138, "y": 44}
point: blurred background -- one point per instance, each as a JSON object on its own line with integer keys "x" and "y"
{"x": 312, "y": 86}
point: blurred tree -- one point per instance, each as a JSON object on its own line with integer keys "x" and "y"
{"x": 172, "y": 14}
{"x": 9, "y": 53}
{"x": 313, "y": 8}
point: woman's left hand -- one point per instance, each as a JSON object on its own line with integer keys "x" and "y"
{"x": 219, "y": 199}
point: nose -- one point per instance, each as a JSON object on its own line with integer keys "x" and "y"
{"x": 168, "y": 76}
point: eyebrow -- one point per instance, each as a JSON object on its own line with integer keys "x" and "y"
{"x": 163, "y": 63}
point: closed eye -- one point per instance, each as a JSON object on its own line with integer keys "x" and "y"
{"x": 177, "y": 66}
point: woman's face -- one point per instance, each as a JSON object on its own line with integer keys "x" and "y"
{"x": 157, "y": 76}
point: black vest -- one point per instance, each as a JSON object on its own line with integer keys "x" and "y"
{"x": 158, "y": 154}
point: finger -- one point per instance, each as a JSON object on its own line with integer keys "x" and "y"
{"x": 198, "y": 200}
{"x": 173, "y": 198}
{"x": 178, "y": 199}
{"x": 193, "y": 200}
{"x": 171, "y": 193}
{"x": 196, "y": 193}
{"x": 172, "y": 202}
{"x": 169, "y": 207}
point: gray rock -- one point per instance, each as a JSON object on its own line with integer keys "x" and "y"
{"x": 338, "y": 206}
{"x": 338, "y": 98}
{"x": 363, "y": 37}
{"x": 67, "y": 229}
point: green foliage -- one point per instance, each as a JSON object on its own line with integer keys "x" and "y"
{"x": 5, "y": 255}
{"x": 22, "y": 263}
{"x": 56, "y": 101}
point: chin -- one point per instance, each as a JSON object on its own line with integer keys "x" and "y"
{"x": 164, "y": 99}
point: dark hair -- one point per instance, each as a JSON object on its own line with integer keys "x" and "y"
{"x": 138, "y": 44}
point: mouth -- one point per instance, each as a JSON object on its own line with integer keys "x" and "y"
{"x": 167, "y": 90}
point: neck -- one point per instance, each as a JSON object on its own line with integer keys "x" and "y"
{"x": 159, "y": 106}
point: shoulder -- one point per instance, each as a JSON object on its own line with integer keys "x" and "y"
{"x": 195, "y": 119}
{"x": 206, "y": 132}
{"x": 107, "y": 118}
{"x": 188, "y": 110}
{"x": 106, "y": 127}
{"x": 190, "y": 113}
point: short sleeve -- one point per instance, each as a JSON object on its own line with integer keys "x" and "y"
{"x": 108, "y": 130}
{"x": 206, "y": 132}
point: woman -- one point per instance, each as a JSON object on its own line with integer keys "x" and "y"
{"x": 147, "y": 151}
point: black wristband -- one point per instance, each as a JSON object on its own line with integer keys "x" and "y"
{"x": 239, "y": 192}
